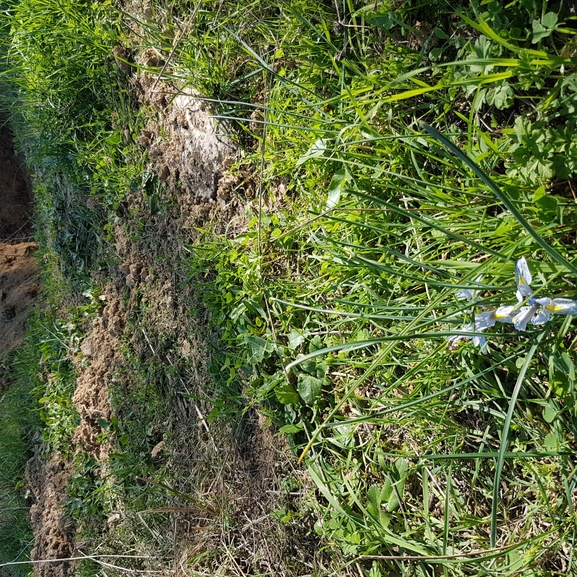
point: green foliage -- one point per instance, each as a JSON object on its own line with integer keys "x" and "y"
{"x": 48, "y": 371}
{"x": 16, "y": 430}
{"x": 334, "y": 305}
{"x": 337, "y": 315}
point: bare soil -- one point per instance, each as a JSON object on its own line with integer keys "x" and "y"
{"x": 19, "y": 286}
{"x": 18, "y": 269}
{"x": 15, "y": 191}
{"x": 46, "y": 481}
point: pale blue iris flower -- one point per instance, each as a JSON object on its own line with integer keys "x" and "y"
{"x": 483, "y": 321}
{"x": 550, "y": 307}
{"x": 528, "y": 309}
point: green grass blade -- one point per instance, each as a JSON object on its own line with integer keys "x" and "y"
{"x": 505, "y": 435}
{"x": 499, "y": 194}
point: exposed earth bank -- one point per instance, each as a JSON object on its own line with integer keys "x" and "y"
{"x": 18, "y": 269}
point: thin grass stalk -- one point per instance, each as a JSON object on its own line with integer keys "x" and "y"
{"x": 505, "y": 436}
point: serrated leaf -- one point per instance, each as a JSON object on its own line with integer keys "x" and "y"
{"x": 500, "y": 97}
{"x": 402, "y": 466}
{"x": 374, "y": 502}
{"x": 309, "y": 388}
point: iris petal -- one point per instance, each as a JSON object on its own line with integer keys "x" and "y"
{"x": 523, "y": 316}
{"x": 562, "y": 306}
{"x": 541, "y": 317}
{"x": 481, "y": 342}
{"x": 505, "y": 314}
{"x": 523, "y": 279}
{"x": 485, "y": 320}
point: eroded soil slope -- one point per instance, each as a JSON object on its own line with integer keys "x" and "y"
{"x": 18, "y": 270}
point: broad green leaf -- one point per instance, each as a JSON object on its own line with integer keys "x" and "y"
{"x": 540, "y": 32}
{"x": 549, "y": 20}
{"x": 291, "y": 429}
{"x": 547, "y": 203}
{"x": 402, "y": 466}
{"x": 552, "y": 442}
{"x": 309, "y": 388}
{"x": 335, "y": 188}
{"x": 549, "y": 413}
{"x": 286, "y": 394}
{"x": 258, "y": 348}
{"x": 316, "y": 344}
{"x": 295, "y": 339}
{"x": 104, "y": 424}
{"x": 317, "y": 150}
{"x": 374, "y": 502}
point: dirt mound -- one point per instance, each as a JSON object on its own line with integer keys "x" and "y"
{"x": 18, "y": 269}
{"x": 46, "y": 482}
{"x": 18, "y": 289}
{"x": 186, "y": 145}
{"x": 102, "y": 350}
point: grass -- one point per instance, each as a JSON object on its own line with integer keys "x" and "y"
{"x": 398, "y": 157}
{"x": 18, "y": 424}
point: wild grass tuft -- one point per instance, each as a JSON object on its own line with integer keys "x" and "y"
{"x": 340, "y": 306}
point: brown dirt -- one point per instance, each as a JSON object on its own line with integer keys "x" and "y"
{"x": 18, "y": 269}
{"x": 46, "y": 482}
{"x": 15, "y": 190}
{"x": 187, "y": 148}
{"x": 19, "y": 286}
{"x": 97, "y": 364}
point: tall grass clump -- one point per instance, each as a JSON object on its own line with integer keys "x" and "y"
{"x": 71, "y": 111}
{"x": 68, "y": 101}
{"x": 55, "y": 59}
{"x": 343, "y": 302}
